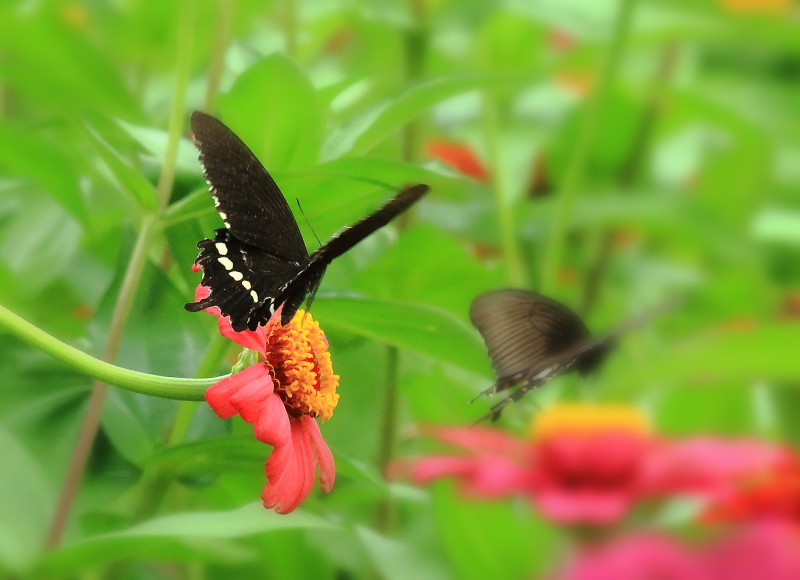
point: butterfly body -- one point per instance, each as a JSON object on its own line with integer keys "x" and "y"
{"x": 259, "y": 261}
{"x": 531, "y": 339}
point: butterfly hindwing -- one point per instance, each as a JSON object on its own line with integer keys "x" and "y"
{"x": 524, "y": 331}
{"x": 244, "y": 280}
{"x": 247, "y": 198}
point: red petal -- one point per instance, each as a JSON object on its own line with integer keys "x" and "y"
{"x": 290, "y": 472}
{"x": 219, "y": 394}
{"x": 272, "y": 424}
{"x": 253, "y": 339}
{"x": 322, "y": 455}
{"x": 567, "y": 506}
{"x": 479, "y": 439}
{"x": 251, "y": 398}
{"x": 437, "y": 466}
{"x": 203, "y": 292}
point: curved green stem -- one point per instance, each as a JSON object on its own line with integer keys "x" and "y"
{"x": 575, "y": 170}
{"x": 147, "y": 384}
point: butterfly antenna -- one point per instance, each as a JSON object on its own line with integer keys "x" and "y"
{"x": 308, "y": 223}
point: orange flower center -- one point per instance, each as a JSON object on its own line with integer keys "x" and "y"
{"x": 589, "y": 420}
{"x": 300, "y": 366}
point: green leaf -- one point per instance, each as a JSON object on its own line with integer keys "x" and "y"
{"x": 777, "y": 225}
{"x": 39, "y": 242}
{"x": 174, "y": 536}
{"x": 273, "y": 108}
{"x": 743, "y": 356}
{"x": 418, "y": 327}
{"x": 372, "y": 127}
{"x": 216, "y": 456}
{"x": 130, "y": 178}
{"x": 396, "y": 560}
{"x": 52, "y": 60}
{"x": 25, "y": 504}
{"x": 35, "y": 158}
{"x": 124, "y": 425}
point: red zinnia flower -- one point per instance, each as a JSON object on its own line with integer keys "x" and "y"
{"x": 583, "y": 464}
{"x": 591, "y": 463}
{"x": 769, "y": 493}
{"x": 281, "y": 394}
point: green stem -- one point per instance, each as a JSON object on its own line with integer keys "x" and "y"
{"x": 577, "y": 165}
{"x": 384, "y": 509}
{"x": 186, "y": 409}
{"x": 290, "y": 26}
{"x": 502, "y": 195}
{"x": 216, "y": 65}
{"x": 154, "y": 385}
{"x": 630, "y": 170}
{"x": 133, "y": 273}
{"x": 415, "y": 40}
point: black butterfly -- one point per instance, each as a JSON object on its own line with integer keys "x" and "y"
{"x": 259, "y": 260}
{"x": 532, "y": 338}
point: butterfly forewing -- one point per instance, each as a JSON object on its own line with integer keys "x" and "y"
{"x": 245, "y": 195}
{"x": 350, "y": 236}
{"x": 307, "y": 280}
{"x": 259, "y": 261}
{"x": 524, "y": 331}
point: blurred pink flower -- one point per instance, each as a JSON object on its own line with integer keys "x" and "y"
{"x": 766, "y": 551}
{"x": 641, "y": 557}
{"x": 591, "y": 463}
{"x": 708, "y": 466}
{"x": 291, "y": 383}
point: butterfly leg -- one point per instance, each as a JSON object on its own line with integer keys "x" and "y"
{"x": 500, "y": 385}
{"x": 494, "y": 413}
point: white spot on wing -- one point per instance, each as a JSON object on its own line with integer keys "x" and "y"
{"x": 246, "y": 284}
{"x": 223, "y": 215}
{"x": 226, "y": 263}
{"x": 222, "y": 249}
{"x": 253, "y": 295}
{"x": 235, "y": 275}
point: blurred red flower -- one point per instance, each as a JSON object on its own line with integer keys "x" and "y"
{"x": 457, "y": 156}
{"x": 592, "y": 463}
{"x": 771, "y": 493}
{"x": 289, "y": 385}
{"x": 582, "y": 464}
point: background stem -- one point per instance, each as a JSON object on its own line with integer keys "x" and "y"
{"x": 574, "y": 175}
{"x": 515, "y": 270}
{"x": 130, "y": 283}
{"x": 630, "y": 171}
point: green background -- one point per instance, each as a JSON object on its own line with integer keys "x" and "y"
{"x": 638, "y": 151}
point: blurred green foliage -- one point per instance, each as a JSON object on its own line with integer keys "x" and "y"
{"x": 690, "y": 188}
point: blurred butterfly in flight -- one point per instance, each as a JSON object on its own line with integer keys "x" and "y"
{"x": 532, "y": 338}
{"x": 259, "y": 261}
